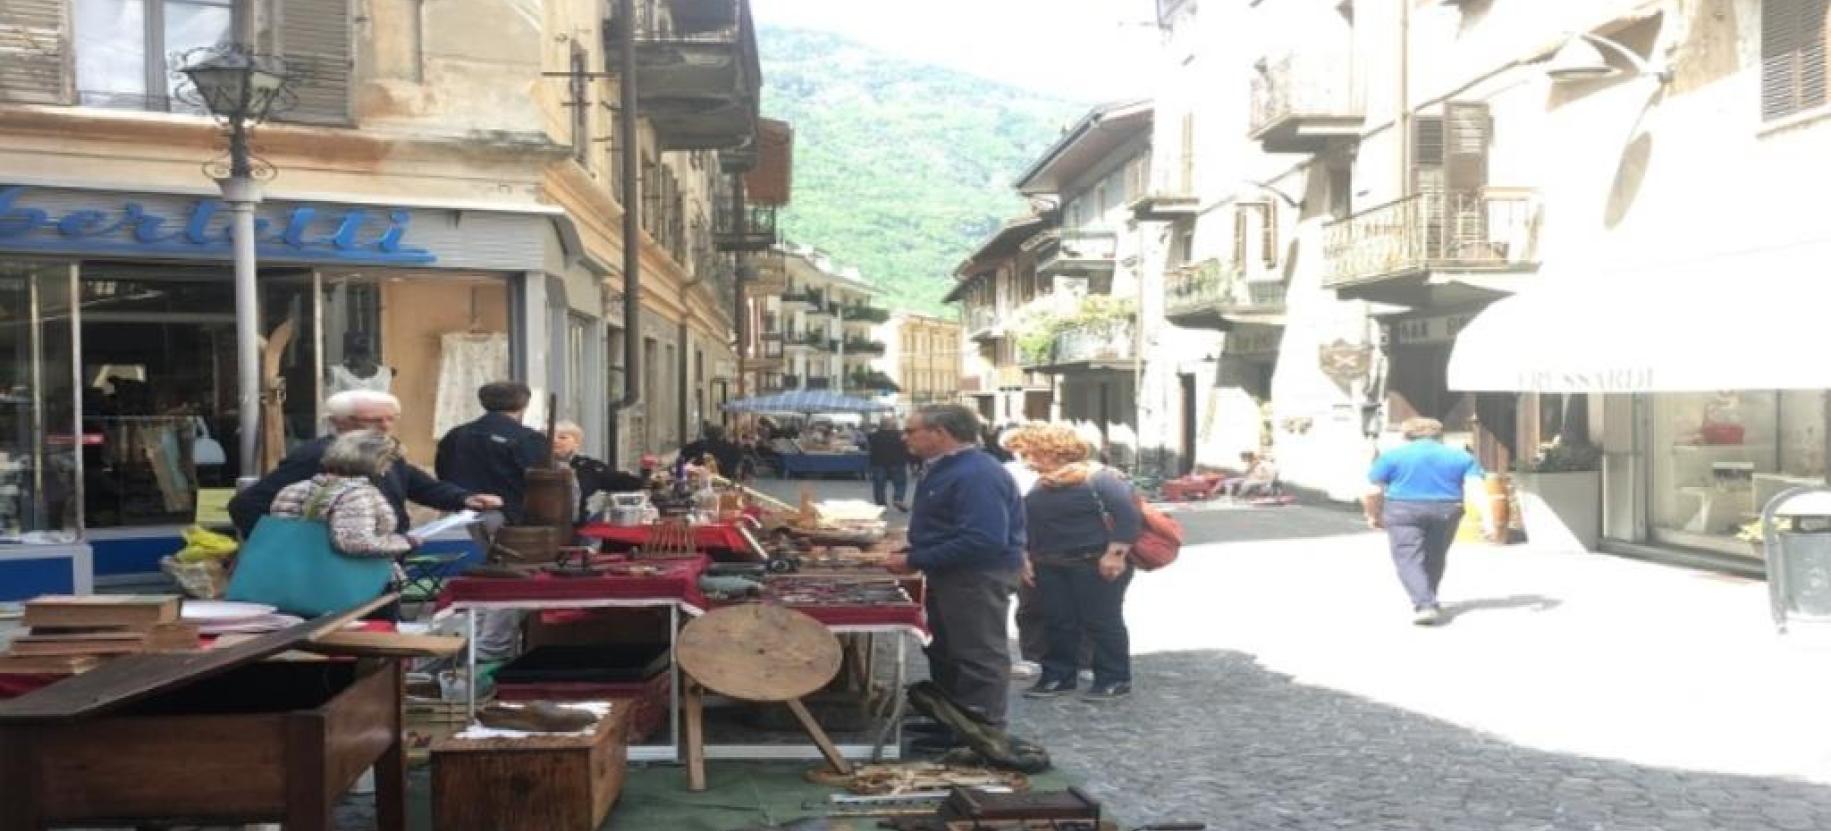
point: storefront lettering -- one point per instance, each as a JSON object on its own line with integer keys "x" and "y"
{"x": 346, "y": 235}
{"x": 1604, "y": 381}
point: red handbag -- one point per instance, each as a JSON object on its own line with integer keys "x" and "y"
{"x": 1160, "y": 538}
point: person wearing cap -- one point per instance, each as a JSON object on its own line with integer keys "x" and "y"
{"x": 1416, "y": 496}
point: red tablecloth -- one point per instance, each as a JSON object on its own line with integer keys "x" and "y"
{"x": 678, "y": 583}
{"x": 712, "y": 537}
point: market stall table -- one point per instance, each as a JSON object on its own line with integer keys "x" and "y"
{"x": 716, "y": 536}
{"x": 676, "y": 588}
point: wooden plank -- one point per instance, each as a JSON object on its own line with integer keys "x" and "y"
{"x": 815, "y": 732}
{"x": 47, "y": 664}
{"x": 111, "y": 768}
{"x": 385, "y": 645}
{"x": 101, "y": 610}
{"x": 134, "y": 677}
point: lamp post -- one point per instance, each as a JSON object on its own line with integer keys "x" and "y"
{"x": 240, "y": 89}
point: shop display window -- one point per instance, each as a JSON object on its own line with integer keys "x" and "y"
{"x": 39, "y": 484}
{"x": 1717, "y": 458}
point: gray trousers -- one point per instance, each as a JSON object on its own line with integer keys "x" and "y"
{"x": 970, "y": 656}
{"x": 1420, "y": 534}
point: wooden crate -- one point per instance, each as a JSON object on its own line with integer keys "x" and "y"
{"x": 537, "y": 783}
{"x": 427, "y": 720}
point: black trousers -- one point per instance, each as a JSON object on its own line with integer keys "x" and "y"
{"x": 1083, "y": 607}
{"x": 970, "y": 656}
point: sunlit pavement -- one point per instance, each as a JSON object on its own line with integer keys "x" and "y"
{"x": 1280, "y": 684}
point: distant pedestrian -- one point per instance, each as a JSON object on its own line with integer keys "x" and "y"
{"x": 889, "y": 465}
{"x": 1082, "y": 521}
{"x": 1416, "y": 496}
{"x": 967, "y": 535}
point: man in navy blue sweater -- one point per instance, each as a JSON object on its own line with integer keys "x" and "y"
{"x": 966, "y": 533}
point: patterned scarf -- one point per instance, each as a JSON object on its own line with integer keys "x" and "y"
{"x": 1070, "y": 475}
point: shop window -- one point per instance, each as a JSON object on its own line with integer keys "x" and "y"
{"x": 127, "y": 51}
{"x": 1717, "y": 458}
{"x": 38, "y": 482}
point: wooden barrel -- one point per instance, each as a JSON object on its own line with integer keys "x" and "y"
{"x": 532, "y": 543}
{"x": 549, "y": 498}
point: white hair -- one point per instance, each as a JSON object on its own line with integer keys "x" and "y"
{"x": 346, "y": 403}
{"x": 569, "y": 427}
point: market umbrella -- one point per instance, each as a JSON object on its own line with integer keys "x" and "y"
{"x": 806, "y": 401}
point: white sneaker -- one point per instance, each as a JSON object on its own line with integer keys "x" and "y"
{"x": 1428, "y": 616}
{"x": 1025, "y": 671}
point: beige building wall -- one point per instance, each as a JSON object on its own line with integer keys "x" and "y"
{"x": 923, "y": 356}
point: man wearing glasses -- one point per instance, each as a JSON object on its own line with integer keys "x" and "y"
{"x": 356, "y": 410}
{"x": 966, "y": 535}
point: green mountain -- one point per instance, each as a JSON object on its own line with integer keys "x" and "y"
{"x": 900, "y": 168}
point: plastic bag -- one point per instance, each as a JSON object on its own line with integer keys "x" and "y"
{"x": 202, "y": 580}
{"x": 204, "y": 545}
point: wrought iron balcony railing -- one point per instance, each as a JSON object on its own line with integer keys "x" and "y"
{"x": 1078, "y": 252}
{"x": 1301, "y": 99}
{"x": 1193, "y": 289}
{"x": 752, "y": 229}
{"x": 1433, "y": 231}
{"x": 1091, "y": 343}
{"x": 864, "y": 346}
{"x": 982, "y": 322}
{"x": 862, "y": 313}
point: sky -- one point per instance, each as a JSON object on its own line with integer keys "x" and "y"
{"x": 1081, "y": 50}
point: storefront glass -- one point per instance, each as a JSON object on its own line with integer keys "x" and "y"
{"x": 1717, "y": 458}
{"x": 38, "y": 436}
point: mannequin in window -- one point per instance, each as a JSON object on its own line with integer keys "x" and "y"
{"x": 360, "y": 370}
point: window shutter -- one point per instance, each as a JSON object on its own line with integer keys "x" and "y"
{"x": 34, "y": 47}
{"x": 1239, "y": 237}
{"x": 1268, "y": 234}
{"x": 1466, "y": 130}
{"x": 1427, "y": 153}
{"x": 315, "y": 40}
{"x": 1793, "y": 38}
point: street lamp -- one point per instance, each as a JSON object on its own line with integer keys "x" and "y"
{"x": 240, "y": 89}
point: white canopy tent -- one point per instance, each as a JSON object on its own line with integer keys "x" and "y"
{"x": 1752, "y": 319}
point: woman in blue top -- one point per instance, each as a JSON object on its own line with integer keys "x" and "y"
{"x": 1082, "y": 523}
{"x": 1416, "y": 495}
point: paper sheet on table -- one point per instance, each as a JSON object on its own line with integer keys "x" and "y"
{"x": 443, "y": 524}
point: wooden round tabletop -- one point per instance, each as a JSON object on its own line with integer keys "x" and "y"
{"x": 757, "y": 652}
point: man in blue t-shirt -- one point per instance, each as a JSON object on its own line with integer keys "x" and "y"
{"x": 1417, "y": 497}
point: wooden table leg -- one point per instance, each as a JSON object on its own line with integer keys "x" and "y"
{"x": 814, "y": 731}
{"x": 696, "y": 735}
{"x": 308, "y": 807}
{"x": 19, "y": 780}
{"x": 391, "y": 768}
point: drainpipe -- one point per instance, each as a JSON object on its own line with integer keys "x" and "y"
{"x": 740, "y": 315}
{"x": 628, "y": 139}
{"x": 1405, "y": 118}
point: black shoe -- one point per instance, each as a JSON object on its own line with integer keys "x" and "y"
{"x": 1108, "y": 692}
{"x": 903, "y": 506}
{"x": 1047, "y": 688}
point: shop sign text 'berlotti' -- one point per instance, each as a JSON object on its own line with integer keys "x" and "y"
{"x": 199, "y": 229}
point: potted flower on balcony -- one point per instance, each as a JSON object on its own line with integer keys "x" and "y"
{"x": 1560, "y": 496}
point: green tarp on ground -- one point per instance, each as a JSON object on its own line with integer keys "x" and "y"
{"x": 739, "y": 795}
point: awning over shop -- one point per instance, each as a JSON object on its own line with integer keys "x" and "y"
{"x": 806, "y": 402}
{"x": 1752, "y": 319}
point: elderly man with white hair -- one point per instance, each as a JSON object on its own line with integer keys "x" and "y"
{"x": 347, "y": 411}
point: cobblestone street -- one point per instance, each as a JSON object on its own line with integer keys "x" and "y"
{"x": 1280, "y": 685}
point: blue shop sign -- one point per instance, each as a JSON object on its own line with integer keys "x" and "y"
{"x": 292, "y": 233}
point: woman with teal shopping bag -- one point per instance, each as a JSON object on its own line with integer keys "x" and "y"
{"x": 329, "y": 542}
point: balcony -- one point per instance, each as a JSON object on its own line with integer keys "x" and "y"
{"x": 804, "y": 297}
{"x": 789, "y": 382}
{"x": 804, "y": 341}
{"x": 1089, "y": 347}
{"x": 1075, "y": 253}
{"x": 983, "y": 324}
{"x": 1303, "y": 101}
{"x": 752, "y": 229}
{"x": 769, "y": 354}
{"x": 864, "y": 346}
{"x": 871, "y": 381}
{"x": 819, "y": 382}
{"x": 1171, "y": 195}
{"x": 696, "y": 72}
{"x": 1192, "y": 295}
{"x": 1434, "y": 248}
{"x": 863, "y": 314}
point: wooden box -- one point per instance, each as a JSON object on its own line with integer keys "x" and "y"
{"x": 537, "y": 783}
{"x": 266, "y": 742}
{"x": 211, "y": 737}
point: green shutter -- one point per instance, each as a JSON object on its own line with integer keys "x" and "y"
{"x": 315, "y": 40}
{"x": 34, "y": 51}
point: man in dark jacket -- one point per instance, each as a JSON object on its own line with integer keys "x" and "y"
{"x": 356, "y": 410}
{"x": 889, "y": 464}
{"x": 713, "y": 443}
{"x": 493, "y": 453}
{"x": 967, "y": 536}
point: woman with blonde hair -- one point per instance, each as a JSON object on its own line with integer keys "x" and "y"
{"x": 1082, "y": 522}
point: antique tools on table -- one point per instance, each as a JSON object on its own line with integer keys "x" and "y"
{"x": 757, "y": 653}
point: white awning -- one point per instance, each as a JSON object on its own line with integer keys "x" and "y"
{"x": 1755, "y": 319}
